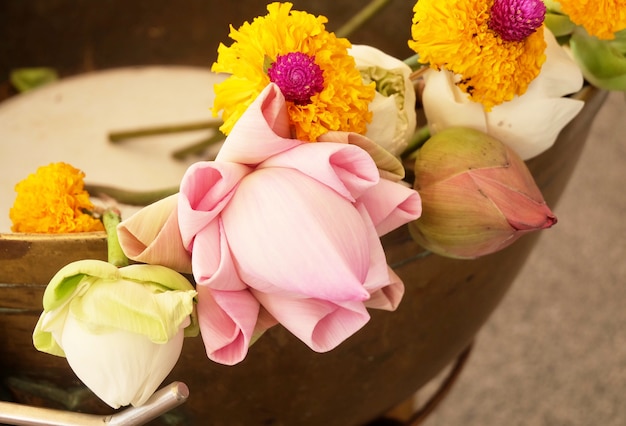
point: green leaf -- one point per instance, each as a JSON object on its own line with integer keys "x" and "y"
{"x": 553, "y": 6}
{"x": 603, "y": 62}
{"x": 560, "y": 25}
{"x": 25, "y": 79}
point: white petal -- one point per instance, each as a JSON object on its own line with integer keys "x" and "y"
{"x": 446, "y": 105}
{"x": 384, "y": 119}
{"x": 559, "y": 75}
{"x": 530, "y": 123}
{"x": 396, "y": 116}
{"x": 530, "y": 128}
{"x": 368, "y": 56}
{"x": 121, "y": 368}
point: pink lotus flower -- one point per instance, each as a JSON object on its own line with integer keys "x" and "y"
{"x": 281, "y": 230}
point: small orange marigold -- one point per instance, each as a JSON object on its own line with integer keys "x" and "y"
{"x": 53, "y": 200}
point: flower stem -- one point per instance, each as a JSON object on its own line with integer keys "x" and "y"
{"x": 111, "y": 218}
{"x": 419, "y": 138}
{"x": 198, "y": 146}
{"x": 116, "y": 137}
{"x": 413, "y": 62}
{"x": 364, "y": 15}
{"x": 131, "y": 198}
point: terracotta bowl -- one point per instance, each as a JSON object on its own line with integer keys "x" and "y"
{"x": 282, "y": 381}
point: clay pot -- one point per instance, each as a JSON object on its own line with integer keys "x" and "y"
{"x": 283, "y": 382}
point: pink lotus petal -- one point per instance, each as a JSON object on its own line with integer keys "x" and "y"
{"x": 514, "y": 174}
{"x": 205, "y": 189}
{"x": 264, "y": 322}
{"x": 474, "y": 225}
{"x": 212, "y": 262}
{"x": 522, "y": 212}
{"x": 152, "y": 236}
{"x": 261, "y": 132}
{"x": 345, "y": 168}
{"x": 227, "y": 320}
{"x": 391, "y": 205}
{"x": 289, "y": 232}
{"x": 227, "y": 311}
{"x": 377, "y": 274}
{"x": 385, "y": 287}
{"x": 388, "y": 297}
{"x": 322, "y": 325}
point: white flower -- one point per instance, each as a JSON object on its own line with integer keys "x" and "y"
{"x": 393, "y": 107}
{"x": 121, "y": 330}
{"x": 120, "y": 367}
{"x": 530, "y": 123}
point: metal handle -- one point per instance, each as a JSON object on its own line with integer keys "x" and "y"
{"x": 160, "y": 402}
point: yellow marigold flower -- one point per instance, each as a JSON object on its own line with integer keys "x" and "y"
{"x": 320, "y": 81}
{"x": 495, "y": 47}
{"x": 600, "y": 18}
{"x": 53, "y": 200}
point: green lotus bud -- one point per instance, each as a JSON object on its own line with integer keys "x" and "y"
{"x": 478, "y": 196}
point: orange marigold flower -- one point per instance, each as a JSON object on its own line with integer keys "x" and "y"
{"x": 319, "y": 79}
{"x": 495, "y": 47}
{"x": 53, "y": 200}
{"x": 600, "y": 18}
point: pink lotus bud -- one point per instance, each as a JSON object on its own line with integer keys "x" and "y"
{"x": 478, "y": 196}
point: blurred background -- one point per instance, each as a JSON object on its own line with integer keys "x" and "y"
{"x": 554, "y": 352}
{"x": 77, "y": 36}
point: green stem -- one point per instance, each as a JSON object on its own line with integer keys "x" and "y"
{"x": 111, "y": 218}
{"x": 132, "y": 198}
{"x": 116, "y": 137}
{"x": 413, "y": 62}
{"x": 419, "y": 138}
{"x": 198, "y": 147}
{"x": 367, "y": 13}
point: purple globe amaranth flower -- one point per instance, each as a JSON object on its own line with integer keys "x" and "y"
{"x": 298, "y": 77}
{"x": 514, "y": 20}
{"x": 477, "y": 195}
